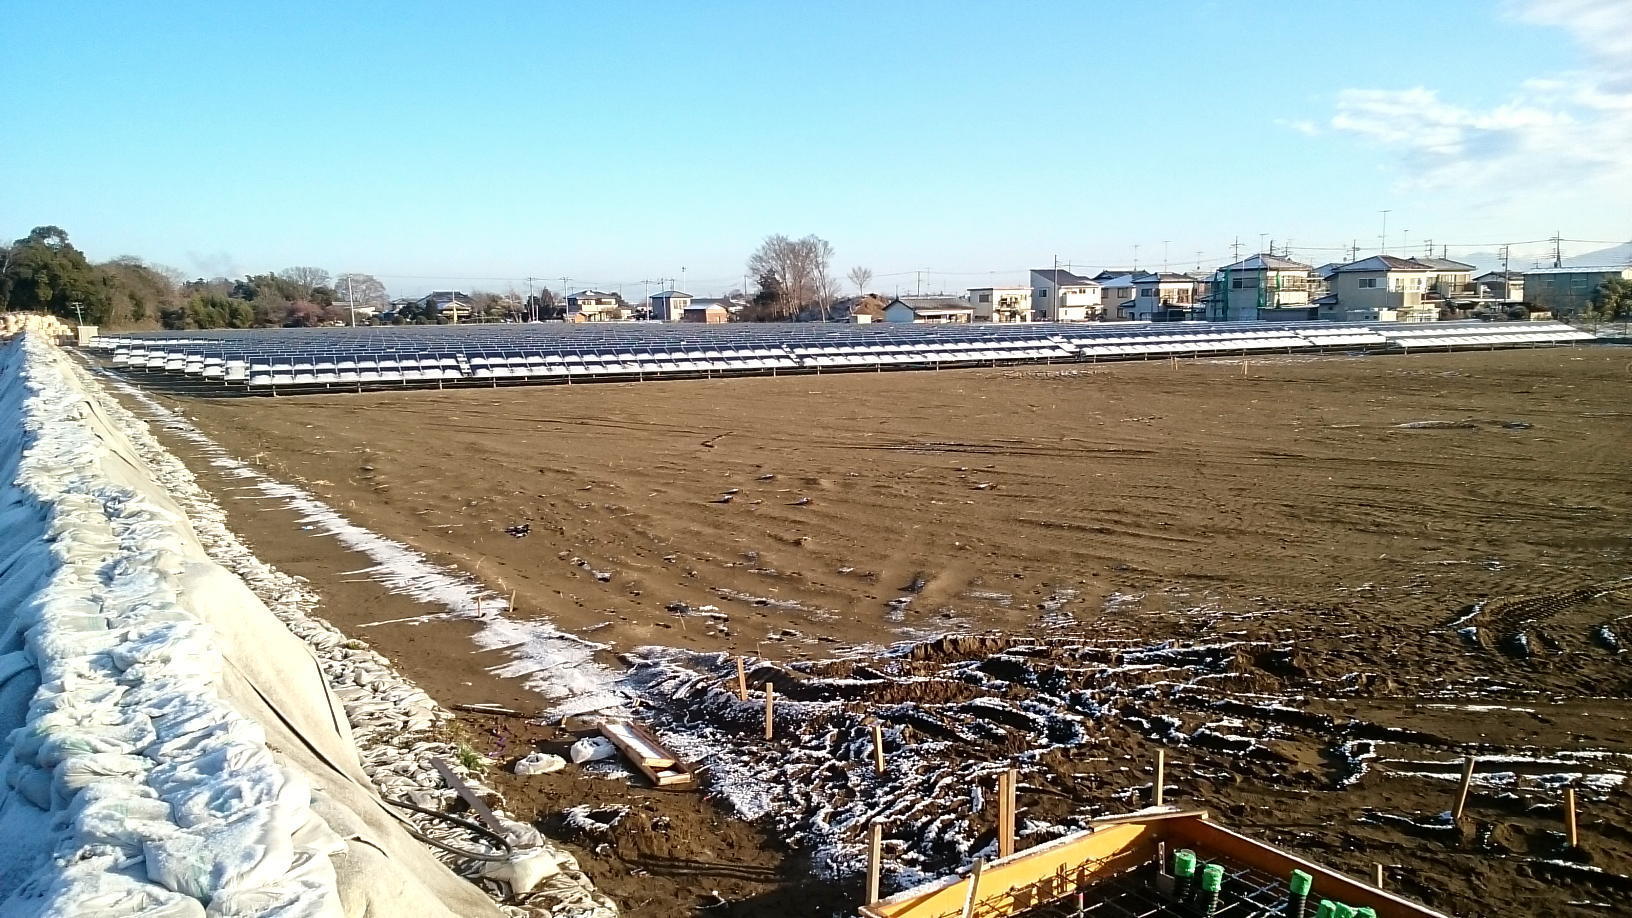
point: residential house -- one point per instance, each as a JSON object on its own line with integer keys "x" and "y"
{"x": 440, "y": 305}
{"x": 1119, "y": 295}
{"x": 1500, "y": 286}
{"x": 860, "y": 310}
{"x": 1261, "y": 287}
{"x": 1382, "y": 288}
{"x": 1060, "y": 296}
{"x": 1001, "y": 304}
{"x": 593, "y": 306}
{"x": 669, "y": 305}
{"x": 1452, "y": 281}
{"x": 1203, "y": 281}
{"x": 1568, "y": 292}
{"x": 1166, "y": 297}
{"x": 928, "y": 309}
{"x": 706, "y": 311}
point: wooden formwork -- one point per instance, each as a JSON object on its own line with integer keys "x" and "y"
{"x": 1058, "y": 870}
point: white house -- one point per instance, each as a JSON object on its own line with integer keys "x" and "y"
{"x": 1381, "y": 288}
{"x": 669, "y": 305}
{"x": 1060, "y": 296}
{"x": 1001, "y": 304}
{"x": 1165, "y": 296}
{"x": 1119, "y": 295}
{"x": 593, "y": 306}
{"x": 928, "y": 309}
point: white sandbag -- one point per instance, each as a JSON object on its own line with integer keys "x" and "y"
{"x": 539, "y": 763}
{"x": 118, "y": 817}
{"x": 248, "y": 851}
{"x": 95, "y": 888}
{"x": 592, "y": 749}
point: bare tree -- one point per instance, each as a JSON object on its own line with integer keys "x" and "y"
{"x": 800, "y": 268}
{"x": 363, "y": 289}
{"x": 861, "y": 277}
{"x": 307, "y": 277}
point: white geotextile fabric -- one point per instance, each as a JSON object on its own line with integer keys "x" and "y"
{"x": 167, "y": 747}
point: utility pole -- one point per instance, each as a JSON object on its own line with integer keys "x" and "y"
{"x": 1136, "y": 256}
{"x": 79, "y": 310}
{"x": 1558, "y": 249}
{"x": 1406, "y": 245}
{"x": 351, "y": 301}
{"x": 1164, "y": 253}
{"x": 1198, "y": 259}
{"x": 1235, "y": 250}
{"x": 1384, "y": 238}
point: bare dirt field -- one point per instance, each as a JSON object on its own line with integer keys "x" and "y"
{"x": 1319, "y": 583}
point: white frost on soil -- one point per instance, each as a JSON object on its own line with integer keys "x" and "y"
{"x": 557, "y": 665}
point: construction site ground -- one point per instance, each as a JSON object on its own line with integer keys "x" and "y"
{"x": 1354, "y": 571}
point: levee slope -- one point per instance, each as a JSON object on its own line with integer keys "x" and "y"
{"x": 169, "y": 748}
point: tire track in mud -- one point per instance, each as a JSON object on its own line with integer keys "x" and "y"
{"x": 1512, "y": 620}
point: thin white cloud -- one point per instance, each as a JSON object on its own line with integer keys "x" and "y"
{"x": 1570, "y": 129}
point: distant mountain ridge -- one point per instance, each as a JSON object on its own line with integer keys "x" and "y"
{"x": 1492, "y": 261}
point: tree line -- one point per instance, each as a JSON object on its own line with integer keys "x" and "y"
{"x": 45, "y": 272}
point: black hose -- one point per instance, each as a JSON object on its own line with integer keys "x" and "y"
{"x": 482, "y": 831}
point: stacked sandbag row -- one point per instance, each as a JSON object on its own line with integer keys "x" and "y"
{"x": 142, "y": 691}
{"x": 15, "y": 323}
{"x": 396, "y": 726}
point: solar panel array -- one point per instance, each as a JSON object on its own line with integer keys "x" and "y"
{"x": 271, "y": 359}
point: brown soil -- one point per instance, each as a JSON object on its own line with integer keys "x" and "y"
{"x": 1285, "y": 507}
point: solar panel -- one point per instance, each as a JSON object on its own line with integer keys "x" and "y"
{"x": 491, "y": 353}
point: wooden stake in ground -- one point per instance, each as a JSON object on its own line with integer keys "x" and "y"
{"x": 742, "y": 681}
{"x": 974, "y": 887}
{"x": 770, "y": 710}
{"x": 1005, "y": 812}
{"x": 1462, "y": 791}
{"x": 1569, "y": 819}
{"x": 878, "y": 749}
{"x": 1161, "y": 778}
{"x": 875, "y": 859}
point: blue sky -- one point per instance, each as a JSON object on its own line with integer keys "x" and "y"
{"x": 479, "y": 143}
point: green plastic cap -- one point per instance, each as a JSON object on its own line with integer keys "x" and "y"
{"x": 1212, "y": 877}
{"x": 1326, "y": 909}
{"x": 1302, "y": 883}
{"x": 1184, "y": 863}
{"x": 1343, "y": 911}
